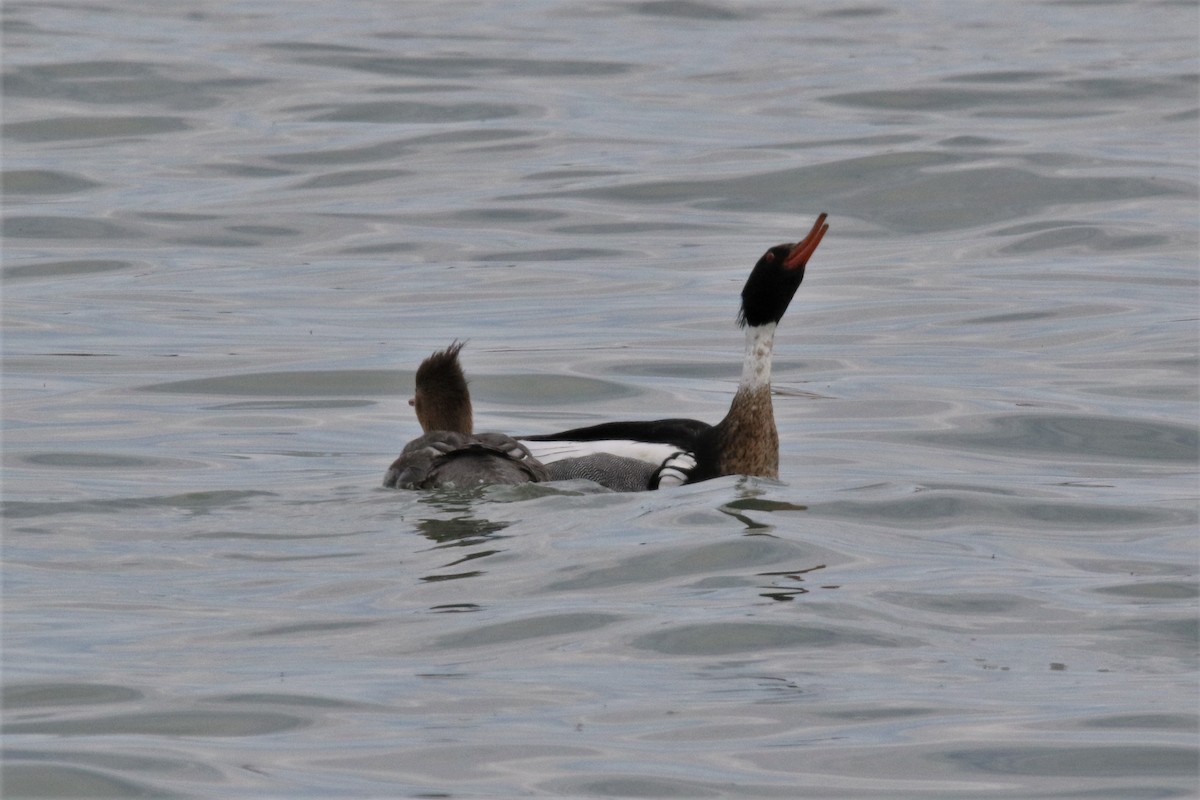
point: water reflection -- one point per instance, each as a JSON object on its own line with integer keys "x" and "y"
{"x": 787, "y": 593}
{"x": 755, "y": 503}
{"x": 464, "y": 529}
{"x": 460, "y": 531}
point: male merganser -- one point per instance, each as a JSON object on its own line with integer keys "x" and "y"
{"x": 669, "y": 452}
{"x": 449, "y": 454}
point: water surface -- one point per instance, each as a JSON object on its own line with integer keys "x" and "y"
{"x": 232, "y": 231}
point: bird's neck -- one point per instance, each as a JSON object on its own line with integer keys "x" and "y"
{"x": 748, "y": 440}
{"x": 756, "y": 367}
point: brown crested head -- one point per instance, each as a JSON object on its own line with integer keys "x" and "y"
{"x": 441, "y": 400}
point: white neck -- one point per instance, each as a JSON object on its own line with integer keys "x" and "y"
{"x": 756, "y": 369}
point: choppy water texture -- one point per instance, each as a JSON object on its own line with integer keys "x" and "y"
{"x": 233, "y": 229}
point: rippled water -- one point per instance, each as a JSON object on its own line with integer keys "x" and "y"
{"x": 233, "y": 229}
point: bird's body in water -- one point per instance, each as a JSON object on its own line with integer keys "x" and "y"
{"x": 746, "y": 441}
{"x": 623, "y": 456}
{"x": 449, "y": 453}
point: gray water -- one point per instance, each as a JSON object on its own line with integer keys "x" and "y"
{"x": 233, "y": 229}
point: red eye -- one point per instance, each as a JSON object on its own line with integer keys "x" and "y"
{"x": 769, "y": 257}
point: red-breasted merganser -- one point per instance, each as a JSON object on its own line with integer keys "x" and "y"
{"x": 668, "y": 452}
{"x": 448, "y": 453}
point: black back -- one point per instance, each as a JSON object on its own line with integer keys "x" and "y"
{"x": 681, "y": 433}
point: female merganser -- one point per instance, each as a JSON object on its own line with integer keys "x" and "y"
{"x": 449, "y": 454}
{"x": 669, "y": 452}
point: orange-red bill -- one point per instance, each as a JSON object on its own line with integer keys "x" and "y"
{"x": 804, "y": 249}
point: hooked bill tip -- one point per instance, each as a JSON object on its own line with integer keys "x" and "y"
{"x": 803, "y": 250}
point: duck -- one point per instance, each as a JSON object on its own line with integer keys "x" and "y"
{"x": 448, "y": 453}
{"x": 652, "y": 454}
